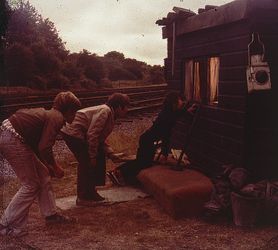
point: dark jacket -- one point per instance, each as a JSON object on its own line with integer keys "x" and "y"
{"x": 163, "y": 125}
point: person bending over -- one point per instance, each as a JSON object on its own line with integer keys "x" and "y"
{"x": 85, "y": 137}
{"x": 26, "y": 141}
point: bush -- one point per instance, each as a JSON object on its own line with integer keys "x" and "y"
{"x": 116, "y": 74}
{"x": 38, "y": 82}
{"x": 71, "y": 70}
{"x": 58, "y": 81}
{"x": 91, "y": 65}
{"x": 88, "y": 83}
{"x": 106, "y": 83}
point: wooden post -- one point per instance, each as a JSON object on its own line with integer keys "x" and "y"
{"x": 173, "y": 48}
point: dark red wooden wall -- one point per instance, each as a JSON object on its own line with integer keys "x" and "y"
{"x": 240, "y": 129}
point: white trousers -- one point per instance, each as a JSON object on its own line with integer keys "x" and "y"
{"x": 34, "y": 179}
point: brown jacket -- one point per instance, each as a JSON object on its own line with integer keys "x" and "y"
{"x": 39, "y": 128}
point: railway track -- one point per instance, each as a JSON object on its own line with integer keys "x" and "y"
{"x": 23, "y": 98}
{"x": 142, "y": 99}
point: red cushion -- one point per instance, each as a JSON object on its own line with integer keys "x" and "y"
{"x": 180, "y": 193}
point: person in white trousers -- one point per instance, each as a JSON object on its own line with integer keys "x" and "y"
{"x": 26, "y": 141}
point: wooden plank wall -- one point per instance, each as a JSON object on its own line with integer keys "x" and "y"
{"x": 242, "y": 129}
{"x": 262, "y": 116}
{"x": 218, "y": 137}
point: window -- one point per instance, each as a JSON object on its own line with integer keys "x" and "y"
{"x": 201, "y": 80}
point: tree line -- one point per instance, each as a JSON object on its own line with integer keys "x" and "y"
{"x": 33, "y": 55}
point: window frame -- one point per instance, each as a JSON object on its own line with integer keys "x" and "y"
{"x": 204, "y": 80}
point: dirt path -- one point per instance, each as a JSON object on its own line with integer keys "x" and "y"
{"x": 139, "y": 224}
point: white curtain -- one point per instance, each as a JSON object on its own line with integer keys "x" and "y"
{"x": 197, "y": 83}
{"x": 188, "y": 80}
{"x": 213, "y": 79}
{"x": 192, "y": 83}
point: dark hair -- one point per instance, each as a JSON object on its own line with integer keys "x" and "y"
{"x": 65, "y": 101}
{"x": 118, "y": 100}
{"x": 171, "y": 99}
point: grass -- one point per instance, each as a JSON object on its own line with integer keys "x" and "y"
{"x": 126, "y": 137}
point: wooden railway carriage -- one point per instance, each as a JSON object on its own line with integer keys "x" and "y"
{"x": 226, "y": 58}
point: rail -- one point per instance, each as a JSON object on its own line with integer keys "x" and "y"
{"x": 142, "y": 98}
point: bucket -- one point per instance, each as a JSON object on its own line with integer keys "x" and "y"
{"x": 245, "y": 209}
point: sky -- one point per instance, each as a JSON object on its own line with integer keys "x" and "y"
{"x": 126, "y": 26}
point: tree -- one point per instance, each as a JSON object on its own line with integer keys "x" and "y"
{"x": 36, "y": 55}
{"x": 28, "y": 29}
{"x": 58, "y": 81}
{"x": 92, "y": 66}
{"x": 23, "y": 23}
{"x": 46, "y": 61}
{"x": 135, "y": 67}
{"x": 50, "y": 37}
{"x": 4, "y": 17}
{"x": 71, "y": 71}
{"x": 115, "y": 56}
{"x": 156, "y": 74}
{"x": 118, "y": 73}
{"x": 19, "y": 64}
{"x": 26, "y": 26}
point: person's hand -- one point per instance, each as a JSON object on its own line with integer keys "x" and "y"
{"x": 55, "y": 171}
{"x": 192, "y": 108}
{"x": 58, "y": 172}
{"x": 116, "y": 158}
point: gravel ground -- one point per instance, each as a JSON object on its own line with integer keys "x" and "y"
{"x": 127, "y": 126}
{"x": 5, "y": 168}
{"x": 138, "y": 224}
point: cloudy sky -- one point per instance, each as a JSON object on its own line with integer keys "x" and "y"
{"x": 126, "y": 26}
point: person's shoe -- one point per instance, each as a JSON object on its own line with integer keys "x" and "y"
{"x": 3, "y": 230}
{"x": 111, "y": 178}
{"x": 88, "y": 203}
{"x": 115, "y": 178}
{"x": 97, "y": 197}
{"x": 12, "y": 232}
{"x": 59, "y": 219}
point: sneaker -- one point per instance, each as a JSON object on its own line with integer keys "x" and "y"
{"x": 115, "y": 178}
{"x": 97, "y": 197}
{"x": 3, "y": 230}
{"x": 111, "y": 178}
{"x": 59, "y": 219}
{"x": 88, "y": 203}
{"x": 12, "y": 232}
